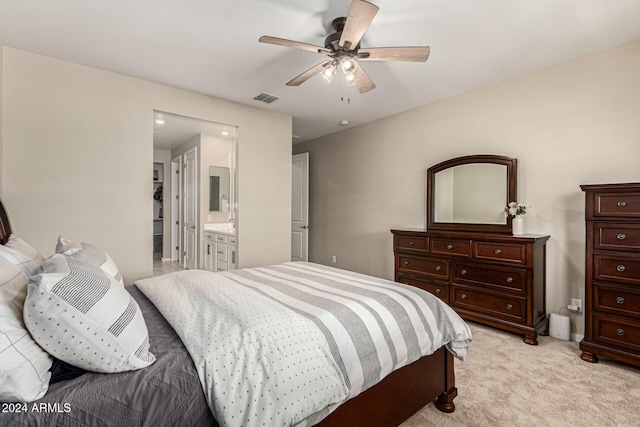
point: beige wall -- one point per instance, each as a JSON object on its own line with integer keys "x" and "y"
{"x": 78, "y": 156}
{"x": 1, "y": 116}
{"x": 571, "y": 124}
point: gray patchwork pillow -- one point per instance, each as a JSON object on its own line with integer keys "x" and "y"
{"x": 83, "y": 316}
{"x": 89, "y": 253}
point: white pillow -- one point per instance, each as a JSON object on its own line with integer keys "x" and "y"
{"x": 82, "y": 316}
{"x": 92, "y": 254}
{"x": 24, "y": 366}
{"x": 19, "y": 253}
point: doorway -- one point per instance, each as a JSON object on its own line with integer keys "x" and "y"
{"x": 186, "y": 148}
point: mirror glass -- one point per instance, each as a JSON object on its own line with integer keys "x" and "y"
{"x": 219, "y": 189}
{"x": 470, "y": 193}
{"x": 473, "y": 193}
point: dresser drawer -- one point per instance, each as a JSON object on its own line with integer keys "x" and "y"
{"x": 460, "y": 248}
{"x": 441, "y": 290}
{"x": 617, "y": 331}
{"x": 503, "y": 252}
{"x": 499, "y": 278}
{"x": 415, "y": 244}
{"x": 494, "y": 305}
{"x": 617, "y": 204}
{"x": 618, "y": 268}
{"x": 616, "y": 236}
{"x": 431, "y": 267}
{"x": 616, "y": 300}
{"x": 221, "y": 238}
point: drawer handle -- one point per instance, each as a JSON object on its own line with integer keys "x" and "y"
{"x": 412, "y": 243}
{"x": 406, "y": 263}
{"x": 498, "y": 251}
{"x": 621, "y": 236}
{"x": 620, "y": 300}
{"x": 463, "y": 272}
{"x": 621, "y": 268}
{"x": 509, "y": 306}
{"x": 620, "y": 332}
{"x": 438, "y": 268}
{"x": 437, "y": 291}
{"x": 463, "y": 296}
{"x": 622, "y": 204}
{"x": 509, "y": 279}
{"x": 449, "y": 247}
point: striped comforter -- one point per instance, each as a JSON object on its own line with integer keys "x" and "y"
{"x": 286, "y": 344}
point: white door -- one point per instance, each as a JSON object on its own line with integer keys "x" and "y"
{"x": 190, "y": 203}
{"x": 300, "y": 207}
{"x": 176, "y": 217}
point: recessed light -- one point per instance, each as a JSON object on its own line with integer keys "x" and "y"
{"x": 160, "y": 121}
{"x": 344, "y": 122}
{"x": 224, "y": 133}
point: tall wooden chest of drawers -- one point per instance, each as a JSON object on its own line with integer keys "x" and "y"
{"x": 494, "y": 279}
{"x": 612, "y": 273}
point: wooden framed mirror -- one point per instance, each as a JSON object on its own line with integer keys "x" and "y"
{"x": 470, "y": 193}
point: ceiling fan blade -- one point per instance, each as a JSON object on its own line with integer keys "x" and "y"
{"x": 412, "y": 54}
{"x": 360, "y": 16}
{"x": 364, "y": 82}
{"x": 297, "y": 81}
{"x": 294, "y": 44}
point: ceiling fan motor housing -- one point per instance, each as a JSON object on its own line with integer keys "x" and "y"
{"x": 333, "y": 40}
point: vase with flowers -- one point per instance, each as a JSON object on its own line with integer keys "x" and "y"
{"x": 517, "y": 211}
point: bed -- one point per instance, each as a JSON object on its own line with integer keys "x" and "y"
{"x": 170, "y": 390}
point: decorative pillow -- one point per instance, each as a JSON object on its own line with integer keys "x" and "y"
{"x": 91, "y": 254}
{"x": 19, "y": 253}
{"x": 83, "y": 316}
{"x": 24, "y": 366}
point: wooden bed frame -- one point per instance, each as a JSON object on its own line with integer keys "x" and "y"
{"x": 388, "y": 403}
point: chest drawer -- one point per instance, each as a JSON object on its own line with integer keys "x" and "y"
{"x": 416, "y": 244}
{"x": 461, "y": 248}
{"x": 616, "y": 236}
{"x": 441, "y": 290}
{"x": 503, "y": 252}
{"x": 617, "y": 331}
{"x": 617, "y": 268}
{"x": 499, "y": 278}
{"x": 494, "y": 305}
{"x": 617, "y": 300}
{"x": 431, "y": 267}
{"x": 617, "y": 204}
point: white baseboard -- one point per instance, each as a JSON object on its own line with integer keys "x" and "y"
{"x": 165, "y": 259}
{"x": 576, "y": 337}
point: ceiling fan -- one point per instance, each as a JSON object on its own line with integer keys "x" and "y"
{"x": 343, "y": 47}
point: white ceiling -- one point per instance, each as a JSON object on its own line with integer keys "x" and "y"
{"x": 211, "y": 46}
{"x": 170, "y": 130}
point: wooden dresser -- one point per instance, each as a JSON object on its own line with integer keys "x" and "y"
{"x": 612, "y": 273}
{"x": 489, "y": 278}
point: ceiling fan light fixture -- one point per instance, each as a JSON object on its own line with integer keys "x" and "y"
{"x": 348, "y": 65}
{"x": 329, "y": 72}
{"x": 350, "y": 79}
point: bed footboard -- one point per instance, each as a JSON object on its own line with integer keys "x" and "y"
{"x": 401, "y": 394}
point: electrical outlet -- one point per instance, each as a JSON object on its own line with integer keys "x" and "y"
{"x": 334, "y": 259}
{"x": 578, "y": 303}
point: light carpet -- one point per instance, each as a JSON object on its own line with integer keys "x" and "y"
{"x": 505, "y": 382}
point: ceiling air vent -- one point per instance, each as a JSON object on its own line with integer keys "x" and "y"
{"x": 265, "y": 97}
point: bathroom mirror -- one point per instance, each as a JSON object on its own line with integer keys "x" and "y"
{"x": 470, "y": 193}
{"x": 219, "y": 189}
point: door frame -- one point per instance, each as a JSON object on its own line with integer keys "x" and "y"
{"x": 301, "y": 226}
{"x": 176, "y": 208}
